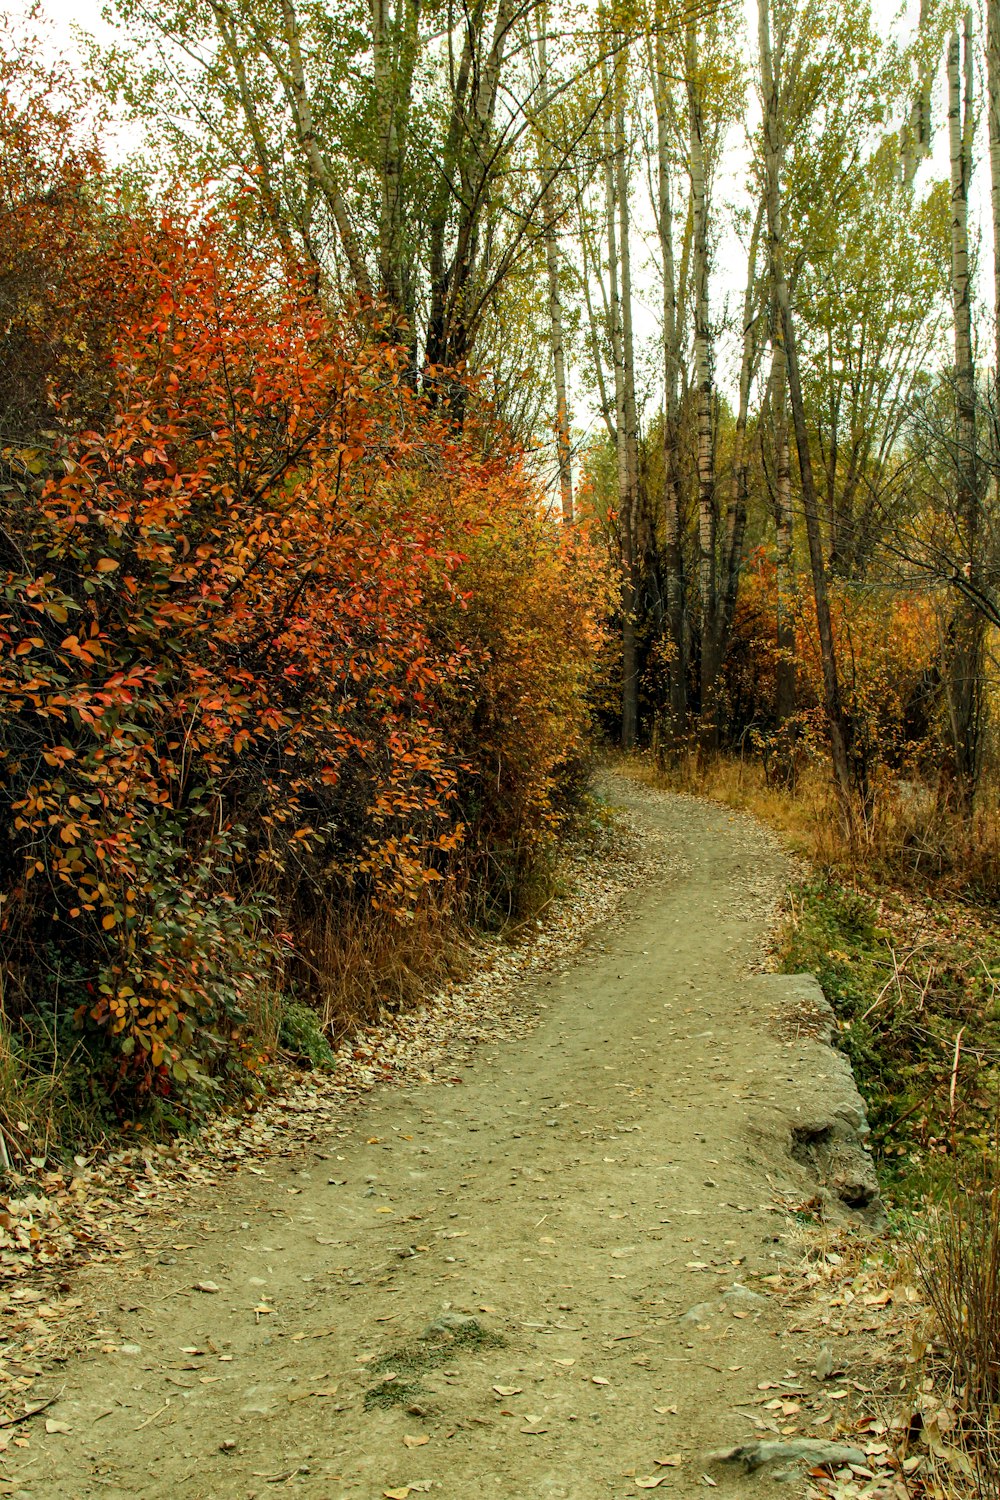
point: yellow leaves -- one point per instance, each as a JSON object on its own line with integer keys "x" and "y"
{"x": 106, "y": 565}
{"x": 109, "y": 920}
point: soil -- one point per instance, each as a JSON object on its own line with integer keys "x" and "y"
{"x": 482, "y": 1284}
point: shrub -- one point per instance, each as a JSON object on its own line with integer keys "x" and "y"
{"x": 276, "y": 640}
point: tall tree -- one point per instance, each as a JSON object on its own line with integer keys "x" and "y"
{"x": 674, "y": 302}
{"x": 966, "y": 631}
{"x": 553, "y": 264}
{"x": 993, "y": 87}
{"x": 703, "y": 373}
{"x": 773, "y": 152}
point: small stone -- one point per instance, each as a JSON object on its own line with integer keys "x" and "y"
{"x": 804, "y": 1450}
{"x": 743, "y": 1296}
{"x": 702, "y": 1312}
{"x": 449, "y": 1322}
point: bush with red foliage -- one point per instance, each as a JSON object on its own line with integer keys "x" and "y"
{"x": 274, "y": 636}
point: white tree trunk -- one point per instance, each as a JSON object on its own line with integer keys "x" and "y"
{"x": 660, "y": 81}
{"x": 965, "y": 667}
{"x": 993, "y": 77}
{"x": 557, "y": 337}
{"x": 915, "y": 145}
{"x": 703, "y": 377}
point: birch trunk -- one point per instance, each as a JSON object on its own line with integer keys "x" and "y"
{"x": 703, "y": 384}
{"x": 394, "y": 55}
{"x": 785, "y": 332}
{"x": 305, "y": 126}
{"x": 673, "y": 551}
{"x": 916, "y": 133}
{"x": 964, "y": 673}
{"x": 557, "y": 337}
{"x": 784, "y": 527}
{"x": 993, "y": 77}
{"x": 629, "y": 431}
{"x": 736, "y": 512}
{"x": 630, "y": 673}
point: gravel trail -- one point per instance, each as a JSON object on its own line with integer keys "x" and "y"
{"x": 480, "y": 1287}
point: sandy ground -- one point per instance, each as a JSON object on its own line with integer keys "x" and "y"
{"x": 479, "y": 1287}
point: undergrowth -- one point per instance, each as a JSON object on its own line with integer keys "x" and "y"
{"x": 912, "y": 983}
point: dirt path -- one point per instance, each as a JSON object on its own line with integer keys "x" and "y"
{"x": 550, "y": 1218}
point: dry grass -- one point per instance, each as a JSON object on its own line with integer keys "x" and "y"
{"x": 959, "y": 1264}
{"x": 42, "y": 1105}
{"x": 904, "y": 834}
{"x": 958, "y": 1260}
{"x": 356, "y": 964}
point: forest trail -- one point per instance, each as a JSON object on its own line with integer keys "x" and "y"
{"x": 574, "y": 1194}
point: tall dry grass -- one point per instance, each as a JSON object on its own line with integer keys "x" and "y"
{"x": 355, "y": 964}
{"x": 903, "y": 832}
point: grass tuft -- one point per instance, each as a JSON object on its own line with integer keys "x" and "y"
{"x": 406, "y": 1363}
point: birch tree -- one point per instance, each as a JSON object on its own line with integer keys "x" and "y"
{"x": 703, "y": 371}
{"x": 551, "y": 217}
{"x": 964, "y": 677}
{"x": 674, "y": 302}
{"x": 773, "y": 153}
{"x": 993, "y": 87}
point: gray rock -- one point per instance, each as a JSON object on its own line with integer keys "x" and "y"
{"x": 799, "y": 1450}
{"x": 449, "y": 1322}
{"x": 742, "y": 1296}
{"x": 702, "y": 1312}
{"x": 824, "y": 1111}
{"x": 735, "y": 1295}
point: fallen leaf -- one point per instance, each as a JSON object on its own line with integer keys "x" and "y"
{"x": 207, "y": 1286}
{"x": 404, "y": 1489}
{"x": 52, "y": 1424}
{"x": 672, "y": 1461}
{"x": 651, "y": 1481}
{"x": 508, "y": 1390}
{"x": 599, "y": 1380}
{"x": 414, "y": 1442}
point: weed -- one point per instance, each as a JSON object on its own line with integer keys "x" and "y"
{"x": 959, "y": 1264}
{"x": 300, "y": 1035}
{"x": 389, "y": 1393}
{"x": 403, "y": 1366}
